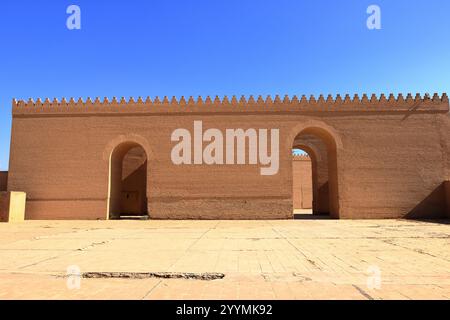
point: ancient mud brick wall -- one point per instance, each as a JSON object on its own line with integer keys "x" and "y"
{"x": 4, "y": 206}
{"x": 3, "y": 180}
{"x": 388, "y": 155}
{"x": 302, "y": 182}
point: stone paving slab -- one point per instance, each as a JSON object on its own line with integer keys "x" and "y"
{"x": 283, "y": 259}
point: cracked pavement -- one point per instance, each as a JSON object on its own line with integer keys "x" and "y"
{"x": 284, "y": 259}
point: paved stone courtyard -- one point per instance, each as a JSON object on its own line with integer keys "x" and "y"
{"x": 299, "y": 259}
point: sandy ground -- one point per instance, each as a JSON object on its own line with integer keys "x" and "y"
{"x": 299, "y": 259}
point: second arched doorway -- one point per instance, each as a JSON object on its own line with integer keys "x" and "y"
{"x": 321, "y": 148}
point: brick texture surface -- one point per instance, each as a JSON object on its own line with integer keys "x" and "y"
{"x": 302, "y": 182}
{"x": 3, "y": 180}
{"x": 391, "y": 156}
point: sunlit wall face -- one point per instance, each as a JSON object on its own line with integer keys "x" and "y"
{"x": 204, "y": 47}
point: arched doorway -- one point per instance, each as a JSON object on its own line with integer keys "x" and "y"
{"x": 128, "y": 182}
{"x": 321, "y": 149}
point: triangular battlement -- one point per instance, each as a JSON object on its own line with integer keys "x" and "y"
{"x": 301, "y": 157}
{"x": 417, "y": 103}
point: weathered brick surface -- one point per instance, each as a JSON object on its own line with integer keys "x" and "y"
{"x": 3, "y": 180}
{"x": 302, "y": 182}
{"x": 391, "y": 156}
{"x": 4, "y": 206}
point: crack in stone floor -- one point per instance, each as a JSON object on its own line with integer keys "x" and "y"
{"x": 302, "y": 259}
{"x": 146, "y": 275}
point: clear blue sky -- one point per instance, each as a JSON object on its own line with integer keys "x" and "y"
{"x": 208, "y": 47}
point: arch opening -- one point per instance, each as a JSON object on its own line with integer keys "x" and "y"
{"x": 127, "y": 195}
{"x": 320, "y": 147}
